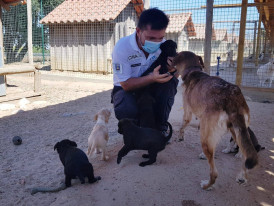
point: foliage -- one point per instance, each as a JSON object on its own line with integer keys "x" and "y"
{"x": 15, "y": 28}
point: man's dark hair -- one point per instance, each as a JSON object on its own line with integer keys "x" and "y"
{"x": 154, "y": 17}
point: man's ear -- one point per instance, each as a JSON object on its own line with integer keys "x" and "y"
{"x": 138, "y": 30}
{"x": 96, "y": 117}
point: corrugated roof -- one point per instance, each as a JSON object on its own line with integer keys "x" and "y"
{"x": 200, "y": 32}
{"x": 221, "y": 34}
{"x": 177, "y": 22}
{"x": 89, "y": 10}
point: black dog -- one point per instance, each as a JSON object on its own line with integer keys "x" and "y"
{"x": 254, "y": 141}
{"x": 75, "y": 162}
{"x": 145, "y": 103}
{"x": 168, "y": 50}
{"x": 137, "y": 138}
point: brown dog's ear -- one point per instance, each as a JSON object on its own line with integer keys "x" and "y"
{"x": 96, "y": 117}
{"x": 56, "y": 146}
{"x": 72, "y": 143}
{"x": 201, "y": 61}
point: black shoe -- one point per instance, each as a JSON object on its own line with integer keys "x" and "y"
{"x": 165, "y": 133}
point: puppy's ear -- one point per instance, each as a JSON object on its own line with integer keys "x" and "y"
{"x": 108, "y": 113}
{"x": 56, "y": 146}
{"x": 96, "y": 117}
{"x": 72, "y": 143}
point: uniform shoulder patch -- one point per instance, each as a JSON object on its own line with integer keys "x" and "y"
{"x": 117, "y": 68}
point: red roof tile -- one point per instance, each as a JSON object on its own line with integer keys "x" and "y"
{"x": 232, "y": 38}
{"x": 14, "y": 1}
{"x": 89, "y": 10}
{"x": 177, "y": 22}
{"x": 200, "y": 32}
{"x": 221, "y": 34}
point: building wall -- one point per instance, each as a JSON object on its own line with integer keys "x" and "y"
{"x": 87, "y": 47}
{"x": 181, "y": 39}
{"x": 196, "y": 46}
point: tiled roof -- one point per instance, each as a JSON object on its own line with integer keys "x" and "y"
{"x": 14, "y": 1}
{"x": 177, "y": 22}
{"x": 200, "y": 32}
{"x": 232, "y": 38}
{"x": 221, "y": 34}
{"x": 89, "y": 10}
{"x": 7, "y": 3}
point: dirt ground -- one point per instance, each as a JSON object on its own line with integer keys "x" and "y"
{"x": 66, "y": 109}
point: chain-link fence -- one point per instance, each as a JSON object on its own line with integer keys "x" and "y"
{"x": 79, "y": 35}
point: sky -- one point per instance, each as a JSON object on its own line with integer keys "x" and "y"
{"x": 219, "y": 14}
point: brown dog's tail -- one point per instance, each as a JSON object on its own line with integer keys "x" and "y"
{"x": 244, "y": 141}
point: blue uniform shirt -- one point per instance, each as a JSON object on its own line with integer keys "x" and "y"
{"x": 129, "y": 61}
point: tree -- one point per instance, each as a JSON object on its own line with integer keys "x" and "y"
{"x": 15, "y": 28}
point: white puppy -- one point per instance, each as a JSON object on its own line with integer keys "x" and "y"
{"x": 266, "y": 72}
{"x": 99, "y": 136}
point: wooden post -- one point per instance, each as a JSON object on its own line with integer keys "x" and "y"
{"x": 37, "y": 80}
{"x": 258, "y": 37}
{"x": 3, "y": 79}
{"x": 208, "y": 35}
{"x": 241, "y": 43}
{"x": 265, "y": 40}
{"x": 254, "y": 38}
{"x": 30, "y": 52}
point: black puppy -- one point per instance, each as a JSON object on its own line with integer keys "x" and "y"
{"x": 254, "y": 141}
{"x": 234, "y": 148}
{"x": 168, "y": 50}
{"x": 137, "y": 138}
{"x": 75, "y": 162}
{"x": 145, "y": 104}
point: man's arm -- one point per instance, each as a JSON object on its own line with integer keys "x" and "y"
{"x": 139, "y": 82}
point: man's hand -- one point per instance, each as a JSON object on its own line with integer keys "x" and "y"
{"x": 160, "y": 78}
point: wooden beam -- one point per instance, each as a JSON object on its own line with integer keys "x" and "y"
{"x": 16, "y": 96}
{"x": 258, "y": 37}
{"x": 254, "y": 39}
{"x": 241, "y": 44}
{"x": 1, "y": 37}
{"x": 15, "y": 70}
{"x": 4, "y": 5}
{"x": 239, "y": 5}
{"x": 30, "y": 51}
{"x": 208, "y": 35}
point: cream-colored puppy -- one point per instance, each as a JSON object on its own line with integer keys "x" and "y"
{"x": 99, "y": 136}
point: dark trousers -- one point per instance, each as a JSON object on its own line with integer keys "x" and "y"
{"x": 125, "y": 105}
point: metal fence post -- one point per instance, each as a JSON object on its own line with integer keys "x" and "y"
{"x": 208, "y": 35}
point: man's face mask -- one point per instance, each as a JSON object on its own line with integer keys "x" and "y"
{"x": 151, "y": 47}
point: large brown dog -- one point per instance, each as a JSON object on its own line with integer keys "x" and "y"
{"x": 220, "y": 106}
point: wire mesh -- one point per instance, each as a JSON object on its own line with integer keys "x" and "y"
{"x": 79, "y": 36}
